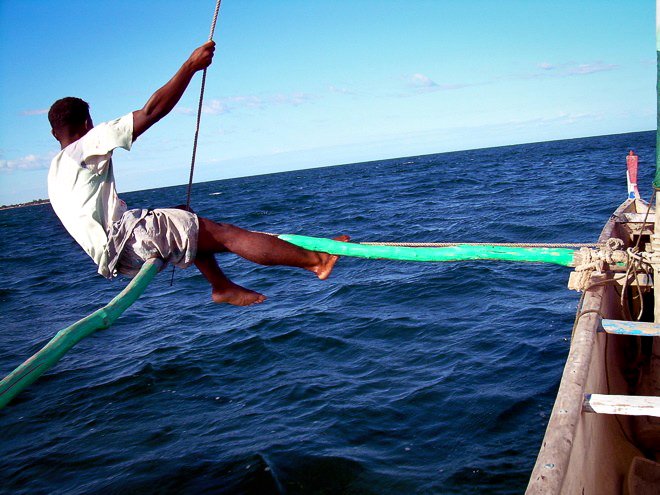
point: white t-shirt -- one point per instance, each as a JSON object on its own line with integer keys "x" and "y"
{"x": 81, "y": 186}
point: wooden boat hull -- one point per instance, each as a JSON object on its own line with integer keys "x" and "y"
{"x": 585, "y": 453}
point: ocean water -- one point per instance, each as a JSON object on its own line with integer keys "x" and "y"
{"x": 387, "y": 378}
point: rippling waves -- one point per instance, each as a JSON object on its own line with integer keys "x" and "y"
{"x": 388, "y": 378}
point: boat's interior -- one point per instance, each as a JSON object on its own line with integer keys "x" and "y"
{"x": 621, "y": 452}
{"x": 588, "y": 452}
{"x": 633, "y": 361}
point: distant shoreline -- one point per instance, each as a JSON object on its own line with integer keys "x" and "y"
{"x": 373, "y": 160}
{"x": 30, "y": 203}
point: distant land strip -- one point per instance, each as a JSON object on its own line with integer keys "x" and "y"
{"x": 31, "y": 203}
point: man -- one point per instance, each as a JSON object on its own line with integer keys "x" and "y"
{"x": 82, "y": 191}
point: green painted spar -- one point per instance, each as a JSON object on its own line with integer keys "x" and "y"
{"x": 460, "y": 252}
{"x": 65, "y": 339}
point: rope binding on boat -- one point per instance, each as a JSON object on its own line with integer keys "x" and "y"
{"x": 589, "y": 263}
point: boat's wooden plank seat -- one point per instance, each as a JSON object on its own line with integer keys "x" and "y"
{"x": 628, "y": 405}
{"x": 637, "y": 218}
{"x": 641, "y": 328}
{"x": 642, "y": 280}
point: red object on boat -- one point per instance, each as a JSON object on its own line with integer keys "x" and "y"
{"x": 631, "y": 161}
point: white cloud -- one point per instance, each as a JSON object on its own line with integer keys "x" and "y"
{"x": 341, "y": 90}
{"x": 574, "y": 69}
{"x": 228, "y": 104}
{"x": 294, "y": 99}
{"x": 424, "y": 84}
{"x": 215, "y": 107}
{"x": 28, "y": 162}
{"x": 420, "y": 80}
{"x": 249, "y": 101}
{"x": 37, "y": 111}
{"x": 582, "y": 69}
{"x": 183, "y": 110}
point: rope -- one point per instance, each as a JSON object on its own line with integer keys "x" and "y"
{"x": 612, "y": 252}
{"x": 635, "y": 260}
{"x": 502, "y": 244}
{"x": 646, "y": 217}
{"x": 199, "y": 119}
{"x": 449, "y": 244}
{"x": 199, "y": 110}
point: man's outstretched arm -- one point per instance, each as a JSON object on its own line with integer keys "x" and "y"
{"x": 163, "y": 100}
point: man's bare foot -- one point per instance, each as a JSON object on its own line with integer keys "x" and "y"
{"x": 236, "y": 295}
{"x": 328, "y": 261}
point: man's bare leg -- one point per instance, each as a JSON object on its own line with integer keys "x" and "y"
{"x": 224, "y": 290}
{"x": 262, "y": 248}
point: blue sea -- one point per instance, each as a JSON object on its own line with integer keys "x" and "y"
{"x": 387, "y": 378}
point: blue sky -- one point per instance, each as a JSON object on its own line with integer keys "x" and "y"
{"x": 300, "y": 84}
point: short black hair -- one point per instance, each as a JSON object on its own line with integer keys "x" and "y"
{"x": 68, "y": 113}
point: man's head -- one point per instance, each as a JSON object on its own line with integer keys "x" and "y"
{"x": 69, "y": 117}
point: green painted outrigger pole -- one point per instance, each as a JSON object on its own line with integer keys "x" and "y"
{"x": 65, "y": 339}
{"x": 35, "y": 366}
{"x": 459, "y": 252}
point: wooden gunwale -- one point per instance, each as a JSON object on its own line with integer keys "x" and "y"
{"x": 575, "y": 457}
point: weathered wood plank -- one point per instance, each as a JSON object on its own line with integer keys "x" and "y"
{"x": 642, "y": 280}
{"x": 637, "y": 218}
{"x": 641, "y": 328}
{"x": 628, "y": 405}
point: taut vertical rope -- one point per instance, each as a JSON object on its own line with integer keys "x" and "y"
{"x": 199, "y": 118}
{"x": 199, "y": 110}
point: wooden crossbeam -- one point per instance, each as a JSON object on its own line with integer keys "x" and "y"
{"x": 642, "y": 280}
{"x": 641, "y": 328}
{"x": 637, "y": 217}
{"x": 628, "y": 405}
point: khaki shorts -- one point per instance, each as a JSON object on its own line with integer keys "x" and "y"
{"x": 166, "y": 233}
